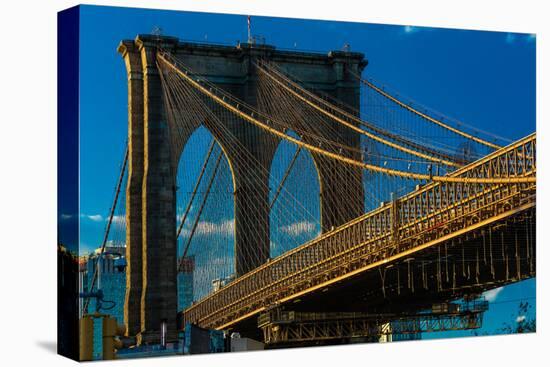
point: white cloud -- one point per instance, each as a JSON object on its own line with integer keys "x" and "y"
{"x": 520, "y": 318}
{"x": 298, "y": 228}
{"x": 222, "y": 228}
{"x": 119, "y": 219}
{"x": 210, "y": 228}
{"x": 66, "y": 216}
{"x": 93, "y": 217}
{"x": 510, "y": 37}
{"x": 492, "y": 294}
{"x": 531, "y": 37}
{"x": 410, "y": 29}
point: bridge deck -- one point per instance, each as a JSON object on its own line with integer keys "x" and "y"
{"x": 431, "y": 215}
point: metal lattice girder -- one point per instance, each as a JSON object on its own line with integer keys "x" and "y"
{"x": 290, "y": 327}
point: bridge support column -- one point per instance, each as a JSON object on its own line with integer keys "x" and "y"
{"x": 134, "y": 269}
{"x": 151, "y": 207}
{"x": 251, "y": 219}
{"x": 159, "y": 296}
{"x": 342, "y": 194}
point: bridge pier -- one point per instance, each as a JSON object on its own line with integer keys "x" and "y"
{"x": 251, "y": 204}
{"x": 134, "y": 274}
{"x": 341, "y": 184}
{"x": 151, "y": 296}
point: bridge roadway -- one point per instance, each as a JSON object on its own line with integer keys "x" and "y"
{"x": 460, "y": 237}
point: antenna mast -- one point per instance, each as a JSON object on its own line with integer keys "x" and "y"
{"x": 249, "y": 35}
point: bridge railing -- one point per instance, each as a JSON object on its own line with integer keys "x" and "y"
{"x": 515, "y": 160}
{"x": 373, "y": 237}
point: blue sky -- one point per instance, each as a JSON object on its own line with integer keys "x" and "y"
{"x": 486, "y": 79}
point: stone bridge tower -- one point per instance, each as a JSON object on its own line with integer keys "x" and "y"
{"x": 151, "y": 293}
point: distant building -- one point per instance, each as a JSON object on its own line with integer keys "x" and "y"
{"x": 219, "y": 283}
{"x": 185, "y": 282}
{"x": 111, "y": 279}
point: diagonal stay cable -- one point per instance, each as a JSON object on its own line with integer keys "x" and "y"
{"x": 332, "y": 106}
{"x": 353, "y": 127}
{"x": 287, "y": 173}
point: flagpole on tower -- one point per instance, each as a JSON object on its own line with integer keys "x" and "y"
{"x": 249, "y": 35}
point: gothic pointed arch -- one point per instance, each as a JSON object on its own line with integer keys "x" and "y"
{"x": 205, "y": 216}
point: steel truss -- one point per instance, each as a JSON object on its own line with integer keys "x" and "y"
{"x": 286, "y": 327}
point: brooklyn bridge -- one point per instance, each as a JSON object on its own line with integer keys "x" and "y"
{"x": 322, "y": 205}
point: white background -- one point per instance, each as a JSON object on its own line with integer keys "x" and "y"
{"x": 28, "y": 181}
